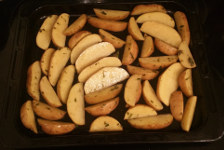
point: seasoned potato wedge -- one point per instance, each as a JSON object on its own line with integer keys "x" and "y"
{"x": 130, "y": 51}
{"x": 55, "y": 127}
{"x": 93, "y": 54}
{"x": 168, "y": 82}
{"x": 133, "y": 90}
{"x": 45, "y": 60}
{"x": 108, "y": 37}
{"x": 186, "y": 83}
{"x": 150, "y": 97}
{"x": 87, "y": 41}
{"x": 46, "y": 111}
{"x": 188, "y": 113}
{"x": 48, "y": 93}
{"x": 104, "y": 94}
{"x": 33, "y": 79}
{"x": 91, "y": 69}
{"x": 57, "y": 63}
{"x": 157, "y": 62}
{"x": 147, "y": 47}
{"x": 111, "y": 14}
{"x": 110, "y": 25}
{"x": 43, "y": 38}
{"x": 104, "y": 78}
{"x": 77, "y": 37}
{"x": 147, "y": 74}
{"x": 141, "y": 9}
{"x": 58, "y": 37}
{"x": 134, "y": 30}
{"x": 139, "y": 111}
{"x": 65, "y": 82}
{"x": 152, "y": 122}
{"x": 177, "y": 105}
{"x": 165, "y": 48}
{"x": 105, "y": 123}
{"x": 27, "y": 116}
{"x": 103, "y": 108}
{"x": 162, "y": 32}
{"x": 75, "y": 104}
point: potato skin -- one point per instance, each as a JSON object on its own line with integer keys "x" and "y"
{"x": 186, "y": 83}
{"x": 141, "y": 9}
{"x": 177, "y": 105}
{"x": 165, "y": 48}
{"x": 77, "y": 37}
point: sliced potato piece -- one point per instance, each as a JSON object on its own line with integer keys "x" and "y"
{"x": 188, "y": 113}
{"x": 65, "y": 83}
{"x": 33, "y": 79}
{"x": 77, "y": 37}
{"x": 55, "y": 127}
{"x": 162, "y": 32}
{"x": 147, "y": 47}
{"x": 150, "y": 97}
{"x": 133, "y": 90}
{"x": 75, "y": 104}
{"x": 168, "y": 82}
{"x": 152, "y": 122}
{"x": 27, "y": 116}
{"x": 134, "y": 30}
{"x": 110, "y": 25}
{"x": 177, "y": 105}
{"x": 186, "y": 83}
{"x": 43, "y": 38}
{"x": 104, "y": 78}
{"x": 48, "y": 93}
{"x": 45, "y": 60}
{"x": 58, "y": 37}
{"x": 57, "y": 63}
{"x": 91, "y": 69}
{"x": 158, "y": 62}
{"x": 46, "y": 111}
{"x": 141, "y": 9}
{"x": 93, "y": 54}
{"x": 139, "y": 111}
{"x": 165, "y": 48}
{"x": 105, "y": 123}
{"x": 87, "y": 41}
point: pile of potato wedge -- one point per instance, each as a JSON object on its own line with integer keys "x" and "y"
{"x": 87, "y": 72}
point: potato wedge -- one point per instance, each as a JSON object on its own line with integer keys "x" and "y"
{"x": 147, "y": 74}
{"x": 177, "y": 105}
{"x": 87, "y": 41}
{"x": 27, "y": 116}
{"x": 141, "y": 9}
{"x": 133, "y": 90}
{"x": 186, "y": 83}
{"x": 58, "y": 37}
{"x": 65, "y": 83}
{"x": 33, "y": 79}
{"x": 77, "y": 37}
{"x": 157, "y": 17}
{"x": 103, "y": 108}
{"x": 91, "y": 69}
{"x": 57, "y": 63}
{"x": 182, "y": 26}
{"x": 55, "y": 127}
{"x": 162, "y": 32}
{"x": 152, "y": 122}
{"x": 108, "y": 37}
{"x": 45, "y": 60}
{"x": 147, "y": 47}
{"x": 93, "y": 54}
{"x": 165, "y": 48}
{"x": 104, "y": 78}
{"x": 139, "y": 111}
{"x": 75, "y": 104}
{"x": 188, "y": 113}
{"x": 43, "y": 38}
{"x": 110, "y": 25}
{"x": 150, "y": 97}
{"x": 104, "y": 94}
{"x": 130, "y": 51}
{"x": 185, "y": 56}
{"x": 48, "y": 93}
{"x": 158, "y": 62}
{"x": 105, "y": 123}
{"x": 134, "y": 30}
{"x": 111, "y": 14}
{"x": 77, "y": 25}
{"x": 168, "y": 82}
{"x": 46, "y": 111}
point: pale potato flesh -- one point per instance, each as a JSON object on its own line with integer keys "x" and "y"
{"x": 134, "y": 30}
{"x": 147, "y": 47}
{"x": 45, "y": 60}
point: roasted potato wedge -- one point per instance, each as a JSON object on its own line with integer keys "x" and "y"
{"x": 186, "y": 83}
{"x": 134, "y": 30}
{"x": 165, "y": 48}
{"x": 147, "y": 47}
{"x": 45, "y": 60}
{"x": 78, "y": 36}
{"x": 177, "y": 105}
{"x": 141, "y": 9}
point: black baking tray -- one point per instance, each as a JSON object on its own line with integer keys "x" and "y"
{"x": 21, "y": 50}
